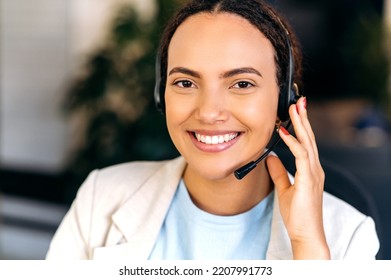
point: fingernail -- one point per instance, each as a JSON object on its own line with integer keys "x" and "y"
{"x": 305, "y": 102}
{"x": 284, "y": 131}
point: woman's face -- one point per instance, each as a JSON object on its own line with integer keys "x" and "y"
{"x": 221, "y": 93}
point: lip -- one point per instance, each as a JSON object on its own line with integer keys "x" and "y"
{"x": 214, "y": 148}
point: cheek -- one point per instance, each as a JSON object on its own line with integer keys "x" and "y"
{"x": 259, "y": 112}
{"x": 172, "y": 126}
{"x": 173, "y": 110}
{"x": 176, "y": 113}
{"x": 260, "y": 119}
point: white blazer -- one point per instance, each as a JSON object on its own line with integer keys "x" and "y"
{"x": 119, "y": 210}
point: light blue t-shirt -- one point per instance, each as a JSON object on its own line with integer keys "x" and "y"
{"x": 191, "y": 233}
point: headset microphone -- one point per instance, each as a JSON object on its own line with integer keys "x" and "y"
{"x": 245, "y": 169}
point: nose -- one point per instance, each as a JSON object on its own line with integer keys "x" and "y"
{"x": 211, "y": 107}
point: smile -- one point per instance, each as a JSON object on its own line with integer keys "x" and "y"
{"x": 215, "y": 139}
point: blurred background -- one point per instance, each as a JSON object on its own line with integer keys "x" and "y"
{"x": 76, "y": 93}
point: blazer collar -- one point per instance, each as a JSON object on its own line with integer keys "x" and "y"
{"x": 137, "y": 223}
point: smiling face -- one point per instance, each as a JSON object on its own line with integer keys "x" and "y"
{"x": 221, "y": 93}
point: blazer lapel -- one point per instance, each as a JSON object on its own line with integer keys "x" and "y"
{"x": 137, "y": 223}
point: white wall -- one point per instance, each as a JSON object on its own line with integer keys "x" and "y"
{"x": 41, "y": 43}
{"x": 34, "y": 62}
{"x": 89, "y": 20}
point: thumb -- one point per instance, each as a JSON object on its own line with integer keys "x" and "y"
{"x": 278, "y": 173}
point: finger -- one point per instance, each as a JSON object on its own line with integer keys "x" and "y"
{"x": 308, "y": 170}
{"x": 298, "y": 125}
{"x": 301, "y": 107}
{"x": 278, "y": 173}
{"x": 300, "y": 153}
{"x": 303, "y": 130}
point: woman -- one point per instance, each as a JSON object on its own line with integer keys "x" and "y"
{"x": 225, "y": 85}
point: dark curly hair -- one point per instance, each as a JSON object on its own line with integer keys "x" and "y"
{"x": 260, "y": 14}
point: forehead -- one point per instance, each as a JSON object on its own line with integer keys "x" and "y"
{"x": 220, "y": 37}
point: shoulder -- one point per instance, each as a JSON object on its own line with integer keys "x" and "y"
{"x": 106, "y": 192}
{"x": 350, "y": 233}
{"x": 126, "y": 178}
{"x": 333, "y": 206}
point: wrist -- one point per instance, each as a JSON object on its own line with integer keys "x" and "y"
{"x": 310, "y": 250}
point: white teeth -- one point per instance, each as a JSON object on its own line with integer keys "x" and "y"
{"x": 215, "y": 139}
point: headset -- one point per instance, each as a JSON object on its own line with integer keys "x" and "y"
{"x": 289, "y": 94}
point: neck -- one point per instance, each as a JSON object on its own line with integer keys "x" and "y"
{"x": 229, "y": 196}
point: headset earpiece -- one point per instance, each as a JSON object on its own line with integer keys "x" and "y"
{"x": 286, "y": 99}
{"x": 289, "y": 93}
{"x": 159, "y": 86}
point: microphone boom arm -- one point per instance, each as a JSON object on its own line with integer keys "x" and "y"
{"x": 245, "y": 169}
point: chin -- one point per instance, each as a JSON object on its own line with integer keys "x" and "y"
{"x": 214, "y": 172}
{"x": 218, "y": 176}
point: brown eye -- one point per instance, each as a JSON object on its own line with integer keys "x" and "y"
{"x": 243, "y": 84}
{"x": 184, "y": 84}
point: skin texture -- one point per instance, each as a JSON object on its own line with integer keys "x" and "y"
{"x": 222, "y": 84}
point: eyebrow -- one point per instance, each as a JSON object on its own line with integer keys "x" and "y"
{"x": 242, "y": 70}
{"x": 185, "y": 71}
{"x": 228, "y": 74}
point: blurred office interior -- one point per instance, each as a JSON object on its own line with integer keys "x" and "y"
{"x": 76, "y": 88}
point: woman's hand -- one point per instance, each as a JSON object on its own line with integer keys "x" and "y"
{"x": 301, "y": 203}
